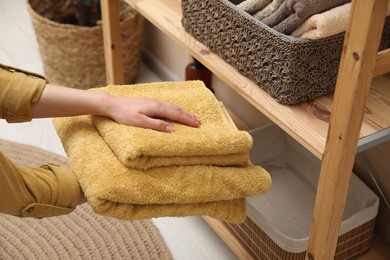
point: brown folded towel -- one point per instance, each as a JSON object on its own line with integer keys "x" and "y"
{"x": 292, "y": 13}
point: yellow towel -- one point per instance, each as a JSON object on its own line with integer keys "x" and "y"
{"x": 126, "y": 193}
{"x": 326, "y": 24}
{"x": 216, "y": 142}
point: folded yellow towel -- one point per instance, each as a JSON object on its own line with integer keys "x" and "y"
{"x": 115, "y": 190}
{"x": 326, "y": 24}
{"x": 216, "y": 142}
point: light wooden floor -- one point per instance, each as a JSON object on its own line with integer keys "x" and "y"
{"x": 188, "y": 238}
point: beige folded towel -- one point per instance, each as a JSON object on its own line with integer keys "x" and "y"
{"x": 326, "y": 24}
{"x": 126, "y": 193}
{"x": 268, "y": 10}
{"x": 293, "y": 13}
{"x": 216, "y": 142}
{"x": 252, "y": 6}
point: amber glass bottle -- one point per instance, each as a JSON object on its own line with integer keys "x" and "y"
{"x": 197, "y": 71}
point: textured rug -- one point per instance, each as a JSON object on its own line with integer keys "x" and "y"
{"x": 79, "y": 235}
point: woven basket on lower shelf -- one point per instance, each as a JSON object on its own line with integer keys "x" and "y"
{"x": 349, "y": 246}
{"x": 291, "y": 70}
{"x": 73, "y": 55}
{"x": 278, "y": 222}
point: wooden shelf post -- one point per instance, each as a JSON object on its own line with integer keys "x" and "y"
{"x": 354, "y": 80}
{"x": 112, "y": 41}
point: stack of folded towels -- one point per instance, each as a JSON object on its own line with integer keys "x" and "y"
{"x": 312, "y": 19}
{"x": 135, "y": 173}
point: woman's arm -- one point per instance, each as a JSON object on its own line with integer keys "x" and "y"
{"x": 55, "y": 190}
{"x": 57, "y": 101}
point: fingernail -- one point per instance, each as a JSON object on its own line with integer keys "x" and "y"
{"x": 169, "y": 129}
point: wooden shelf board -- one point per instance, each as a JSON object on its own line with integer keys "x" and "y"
{"x": 305, "y": 122}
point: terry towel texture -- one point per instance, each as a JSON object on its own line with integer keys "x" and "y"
{"x": 123, "y": 192}
{"x": 268, "y": 10}
{"x": 252, "y": 6}
{"x": 216, "y": 142}
{"x": 292, "y": 13}
{"x": 326, "y": 24}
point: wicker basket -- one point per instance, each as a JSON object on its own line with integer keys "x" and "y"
{"x": 278, "y": 222}
{"x": 291, "y": 70}
{"x": 73, "y": 55}
{"x": 349, "y": 245}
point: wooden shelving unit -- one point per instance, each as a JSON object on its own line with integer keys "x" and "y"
{"x": 332, "y": 127}
{"x": 300, "y": 121}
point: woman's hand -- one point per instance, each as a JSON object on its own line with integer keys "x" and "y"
{"x": 148, "y": 113}
{"x": 57, "y": 101}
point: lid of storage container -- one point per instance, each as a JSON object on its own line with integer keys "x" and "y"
{"x": 284, "y": 213}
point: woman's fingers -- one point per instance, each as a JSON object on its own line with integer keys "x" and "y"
{"x": 150, "y": 113}
{"x": 162, "y": 109}
{"x": 155, "y": 124}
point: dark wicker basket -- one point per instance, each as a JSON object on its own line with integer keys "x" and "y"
{"x": 291, "y": 70}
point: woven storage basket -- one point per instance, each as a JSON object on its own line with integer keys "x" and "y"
{"x": 291, "y": 70}
{"x": 278, "y": 222}
{"x": 349, "y": 245}
{"x": 73, "y": 55}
